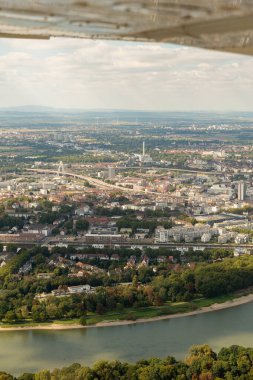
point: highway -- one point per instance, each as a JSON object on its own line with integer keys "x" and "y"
{"x": 107, "y": 186}
{"x": 92, "y": 181}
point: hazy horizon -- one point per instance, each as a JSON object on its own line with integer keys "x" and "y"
{"x": 110, "y": 75}
{"x": 39, "y": 108}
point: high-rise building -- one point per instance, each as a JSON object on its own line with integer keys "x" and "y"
{"x": 241, "y": 191}
{"x": 111, "y": 173}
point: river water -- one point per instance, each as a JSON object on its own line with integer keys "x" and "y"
{"x": 30, "y": 351}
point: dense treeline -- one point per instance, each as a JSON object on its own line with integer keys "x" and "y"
{"x": 48, "y": 216}
{"x": 170, "y": 283}
{"x": 7, "y": 222}
{"x": 224, "y": 277}
{"x": 202, "y": 363}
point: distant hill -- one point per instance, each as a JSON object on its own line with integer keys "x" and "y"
{"x": 37, "y": 109}
{"x": 124, "y": 112}
{"x": 46, "y": 109}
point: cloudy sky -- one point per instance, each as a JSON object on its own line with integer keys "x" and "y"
{"x": 121, "y": 75}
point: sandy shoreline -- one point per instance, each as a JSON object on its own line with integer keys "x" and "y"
{"x": 215, "y": 307}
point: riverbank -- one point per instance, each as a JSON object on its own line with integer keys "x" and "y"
{"x": 236, "y": 301}
{"x": 215, "y": 307}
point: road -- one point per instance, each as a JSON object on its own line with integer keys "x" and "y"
{"x": 107, "y": 186}
{"x": 92, "y": 181}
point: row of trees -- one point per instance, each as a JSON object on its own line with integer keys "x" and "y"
{"x": 202, "y": 363}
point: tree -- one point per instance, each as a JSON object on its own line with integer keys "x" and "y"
{"x": 135, "y": 281}
{"x": 39, "y": 313}
{"x": 26, "y": 376}
{"x": 84, "y": 373}
{"x": 48, "y": 218}
{"x": 83, "y": 320}
{"x": 52, "y": 311}
{"x": 10, "y": 316}
{"x": 24, "y": 312}
{"x": 109, "y": 370}
{"x": 200, "y": 351}
{"x": 43, "y": 375}
{"x": 82, "y": 224}
{"x": 5, "y": 376}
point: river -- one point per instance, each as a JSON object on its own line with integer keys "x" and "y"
{"x": 30, "y": 351}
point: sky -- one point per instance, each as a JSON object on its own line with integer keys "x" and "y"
{"x": 88, "y": 74}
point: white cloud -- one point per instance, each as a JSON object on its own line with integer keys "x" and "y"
{"x": 85, "y": 73}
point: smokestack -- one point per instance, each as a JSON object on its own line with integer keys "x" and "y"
{"x": 143, "y": 148}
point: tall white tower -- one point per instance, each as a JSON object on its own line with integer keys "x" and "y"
{"x": 143, "y": 148}
{"x": 241, "y": 191}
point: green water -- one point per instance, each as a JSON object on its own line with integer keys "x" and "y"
{"x": 28, "y": 351}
